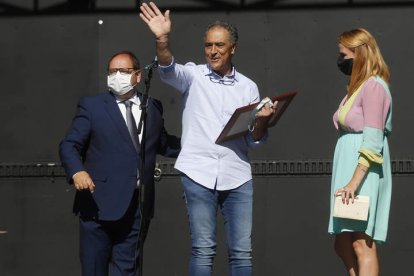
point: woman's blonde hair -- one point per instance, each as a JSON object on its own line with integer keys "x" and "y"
{"x": 368, "y": 60}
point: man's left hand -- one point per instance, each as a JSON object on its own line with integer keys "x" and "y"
{"x": 266, "y": 111}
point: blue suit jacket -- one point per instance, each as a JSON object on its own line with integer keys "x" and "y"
{"x": 98, "y": 142}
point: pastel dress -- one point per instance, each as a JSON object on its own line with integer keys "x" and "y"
{"x": 364, "y": 123}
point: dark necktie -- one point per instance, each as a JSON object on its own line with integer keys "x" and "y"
{"x": 131, "y": 124}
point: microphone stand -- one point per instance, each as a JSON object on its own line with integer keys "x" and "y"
{"x": 144, "y": 224}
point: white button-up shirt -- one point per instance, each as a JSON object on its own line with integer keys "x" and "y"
{"x": 208, "y": 101}
{"x": 136, "y": 111}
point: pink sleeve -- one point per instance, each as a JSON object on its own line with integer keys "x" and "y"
{"x": 375, "y": 104}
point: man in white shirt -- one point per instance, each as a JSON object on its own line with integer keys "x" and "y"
{"x": 213, "y": 176}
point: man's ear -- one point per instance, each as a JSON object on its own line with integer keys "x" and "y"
{"x": 138, "y": 74}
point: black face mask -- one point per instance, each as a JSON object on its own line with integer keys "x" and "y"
{"x": 345, "y": 65}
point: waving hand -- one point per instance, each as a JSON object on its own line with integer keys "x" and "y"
{"x": 159, "y": 24}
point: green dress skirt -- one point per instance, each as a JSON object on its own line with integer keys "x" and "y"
{"x": 377, "y": 185}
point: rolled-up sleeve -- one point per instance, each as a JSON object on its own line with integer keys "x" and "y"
{"x": 376, "y": 104}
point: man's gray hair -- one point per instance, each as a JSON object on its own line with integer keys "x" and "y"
{"x": 234, "y": 35}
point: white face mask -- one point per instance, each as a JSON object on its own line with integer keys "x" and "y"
{"x": 120, "y": 84}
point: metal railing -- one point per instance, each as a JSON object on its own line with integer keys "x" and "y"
{"x": 166, "y": 168}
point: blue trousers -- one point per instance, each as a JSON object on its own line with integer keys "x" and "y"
{"x": 236, "y": 208}
{"x": 110, "y": 246}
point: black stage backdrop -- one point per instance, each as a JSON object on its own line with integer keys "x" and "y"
{"x": 49, "y": 61}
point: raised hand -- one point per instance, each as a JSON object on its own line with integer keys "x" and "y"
{"x": 159, "y": 24}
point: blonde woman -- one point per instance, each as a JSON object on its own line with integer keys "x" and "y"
{"x": 361, "y": 164}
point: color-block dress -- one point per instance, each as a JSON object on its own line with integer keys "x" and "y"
{"x": 364, "y": 122}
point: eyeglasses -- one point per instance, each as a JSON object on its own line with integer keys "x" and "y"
{"x": 122, "y": 71}
{"x": 226, "y": 81}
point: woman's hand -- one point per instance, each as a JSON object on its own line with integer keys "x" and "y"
{"x": 347, "y": 192}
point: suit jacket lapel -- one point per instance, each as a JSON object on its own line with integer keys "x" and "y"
{"x": 116, "y": 116}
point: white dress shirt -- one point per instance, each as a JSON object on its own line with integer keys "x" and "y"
{"x": 136, "y": 111}
{"x": 208, "y": 101}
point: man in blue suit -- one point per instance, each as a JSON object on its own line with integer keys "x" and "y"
{"x": 102, "y": 159}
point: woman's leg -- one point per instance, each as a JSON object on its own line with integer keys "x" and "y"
{"x": 366, "y": 252}
{"x": 345, "y": 250}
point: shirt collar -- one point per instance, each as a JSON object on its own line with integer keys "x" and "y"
{"x": 211, "y": 73}
{"x": 229, "y": 79}
{"x": 134, "y": 99}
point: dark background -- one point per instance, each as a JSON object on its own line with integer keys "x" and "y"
{"x": 54, "y": 52}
